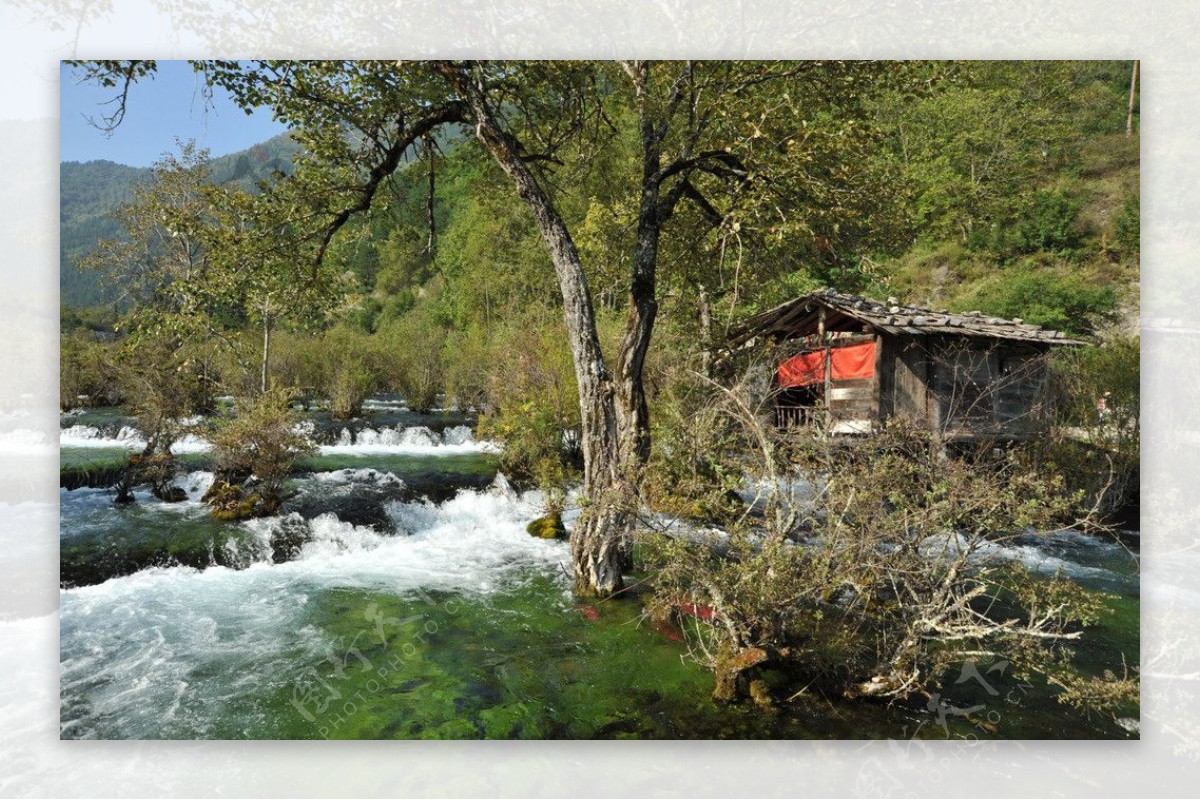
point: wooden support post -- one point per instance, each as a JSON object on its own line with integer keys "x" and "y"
{"x": 828, "y": 359}
{"x": 878, "y": 405}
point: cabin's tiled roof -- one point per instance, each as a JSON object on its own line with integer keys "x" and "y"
{"x": 796, "y": 317}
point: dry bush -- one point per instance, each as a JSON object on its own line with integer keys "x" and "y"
{"x": 864, "y": 566}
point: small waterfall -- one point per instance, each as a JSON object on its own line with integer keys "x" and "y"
{"x": 407, "y": 440}
{"x": 126, "y": 437}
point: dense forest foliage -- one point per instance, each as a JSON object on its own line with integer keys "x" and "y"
{"x": 1011, "y": 188}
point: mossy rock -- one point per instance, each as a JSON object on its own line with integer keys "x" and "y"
{"x": 235, "y": 511}
{"x": 548, "y": 527}
{"x": 230, "y": 503}
{"x": 222, "y": 493}
{"x": 761, "y": 694}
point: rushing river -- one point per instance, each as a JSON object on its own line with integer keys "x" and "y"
{"x": 398, "y": 595}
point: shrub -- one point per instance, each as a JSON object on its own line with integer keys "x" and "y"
{"x": 86, "y": 372}
{"x": 694, "y": 469}
{"x": 351, "y": 372}
{"x": 867, "y": 567}
{"x": 534, "y": 446}
{"x": 468, "y": 362}
{"x": 254, "y": 450}
{"x": 1048, "y": 222}
{"x": 1127, "y": 226}
{"x": 298, "y": 362}
{"x": 535, "y": 405}
{"x": 1044, "y": 293}
{"x": 1097, "y": 451}
{"x": 411, "y": 357}
{"x": 163, "y": 385}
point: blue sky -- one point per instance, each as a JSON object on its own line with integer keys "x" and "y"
{"x": 172, "y": 105}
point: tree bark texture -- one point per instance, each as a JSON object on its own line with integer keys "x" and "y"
{"x": 633, "y": 418}
{"x": 601, "y": 540}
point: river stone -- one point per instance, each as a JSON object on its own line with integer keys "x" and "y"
{"x": 172, "y": 494}
{"x": 289, "y": 538}
{"x": 363, "y": 508}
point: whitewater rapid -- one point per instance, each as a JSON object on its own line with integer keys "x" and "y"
{"x": 161, "y": 651}
{"x": 400, "y": 440}
{"x": 414, "y": 440}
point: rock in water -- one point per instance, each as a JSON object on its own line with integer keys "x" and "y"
{"x": 548, "y": 527}
{"x": 227, "y": 501}
{"x": 289, "y": 538}
{"x": 172, "y": 494}
{"x": 364, "y": 508}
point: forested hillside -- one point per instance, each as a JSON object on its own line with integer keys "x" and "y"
{"x": 89, "y": 192}
{"x": 1025, "y": 194}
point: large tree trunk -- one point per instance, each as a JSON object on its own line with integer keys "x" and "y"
{"x": 599, "y": 542}
{"x": 633, "y": 419}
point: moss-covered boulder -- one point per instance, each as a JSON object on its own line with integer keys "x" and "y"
{"x": 760, "y": 693}
{"x": 231, "y": 502}
{"x": 548, "y": 527}
{"x": 732, "y": 683}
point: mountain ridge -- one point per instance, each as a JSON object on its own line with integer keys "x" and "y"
{"x": 91, "y": 190}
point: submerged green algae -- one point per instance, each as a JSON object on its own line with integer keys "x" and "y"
{"x": 531, "y": 662}
{"x": 523, "y": 663}
{"x": 527, "y": 661}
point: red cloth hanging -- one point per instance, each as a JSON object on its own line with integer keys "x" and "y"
{"x": 855, "y": 361}
{"x": 806, "y": 369}
{"x": 802, "y": 370}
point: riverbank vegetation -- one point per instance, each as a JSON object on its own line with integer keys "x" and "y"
{"x": 865, "y": 567}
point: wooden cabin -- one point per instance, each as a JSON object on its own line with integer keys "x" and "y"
{"x": 848, "y": 363}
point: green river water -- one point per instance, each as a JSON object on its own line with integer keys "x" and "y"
{"x": 448, "y": 622}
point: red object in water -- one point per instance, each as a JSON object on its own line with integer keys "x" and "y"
{"x": 668, "y": 630}
{"x": 590, "y": 612}
{"x": 697, "y": 611}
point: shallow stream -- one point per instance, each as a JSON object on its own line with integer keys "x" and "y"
{"x": 398, "y": 595}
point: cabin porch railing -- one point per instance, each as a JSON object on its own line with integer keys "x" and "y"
{"x": 798, "y": 416}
